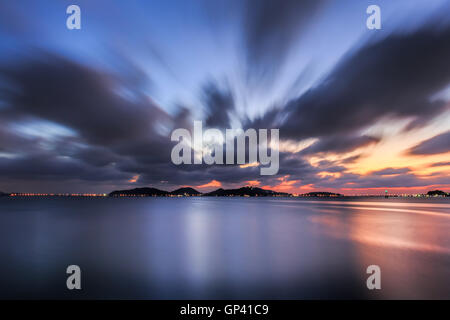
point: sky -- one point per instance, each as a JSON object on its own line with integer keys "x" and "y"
{"x": 91, "y": 110}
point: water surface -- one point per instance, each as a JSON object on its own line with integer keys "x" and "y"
{"x": 222, "y": 248}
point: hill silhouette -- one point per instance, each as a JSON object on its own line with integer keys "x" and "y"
{"x": 188, "y": 191}
{"x": 154, "y": 192}
{"x": 437, "y": 193}
{"x": 245, "y": 191}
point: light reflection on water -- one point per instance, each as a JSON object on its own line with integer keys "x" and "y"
{"x": 224, "y": 248}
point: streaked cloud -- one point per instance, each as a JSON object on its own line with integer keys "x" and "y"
{"x": 358, "y": 111}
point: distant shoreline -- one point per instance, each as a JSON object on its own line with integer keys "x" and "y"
{"x": 344, "y": 197}
{"x": 243, "y": 192}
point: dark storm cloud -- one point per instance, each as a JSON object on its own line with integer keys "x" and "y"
{"x": 294, "y": 167}
{"x": 116, "y": 136}
{"x": 103, "y": 110}
{"x": 95, "y": 156}
{"x": 391, "y": 78}
{"x": 339, "y": 144}
{"x": 270, "y": 28}
{"x": 435, "y": 145}
{"x": 110, "y": 128}
{"x": 219, "y": 103}
{"x": 56, "y": 89}
{"x": 45, "y": 167}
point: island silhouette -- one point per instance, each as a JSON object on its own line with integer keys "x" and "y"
{"x": 191, "y": 192}
{"x": 247, "y": 191}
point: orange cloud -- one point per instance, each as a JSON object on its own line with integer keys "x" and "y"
{"x": 284, "y": 186}
{"x": 134, "y": 179}
{"x": 212, "y": 183}
{"x": 247, "y": 165}
{"x": 253, "y": 183}
{"x": 325, "y": 174}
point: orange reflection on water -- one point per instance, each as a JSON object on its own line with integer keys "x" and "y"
{"x": 409, "y": 241}
{"x": 407, "y": 225}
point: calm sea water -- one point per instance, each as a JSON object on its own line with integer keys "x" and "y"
{"x": 210, "y": 248}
